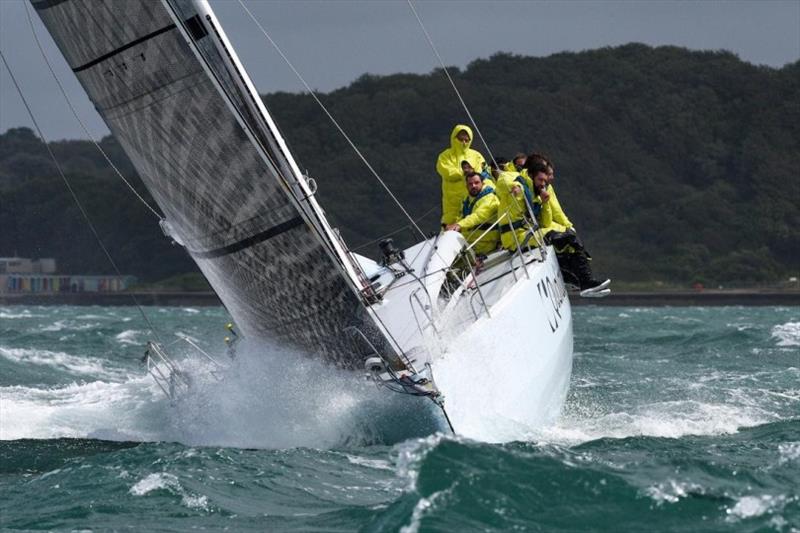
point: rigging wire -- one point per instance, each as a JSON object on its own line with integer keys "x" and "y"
{"x": 450, "y": 79}
{"x": 333, "y": 120}
{"x": 395, "y": 232}
{"x": 72, "y": 192}
{"x": 75, "y": 113}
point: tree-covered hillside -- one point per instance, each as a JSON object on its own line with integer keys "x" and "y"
{"x": 38, "y": 217}
{"x": 675, "y": 165}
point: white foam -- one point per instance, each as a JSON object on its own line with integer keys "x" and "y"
{"x": 23, "y": 314}
{"x": 158, "y": 481}
{"x": 411, "y": 453}
{"x": 661, "y": 419}
{"x": 739, "y": 326}
{"x": 789, "y": 452}
{"x": 671, "y": 491}
{"x": 787, "y": 334}
{"x": 76, "y": 365}
{"x": 420, "y": 509}
{"x": 266, "y": 398}
{"x": 170, "y": 483}
{"x": 59, "y": 325}
{"x": 423, "y": 507}
{"x": 116, "y": 411}
{"x": 195, "y": 502}
{"x": 752, "y": 506}
{"x": 377, "y": 464}
{"x": 129, "y": 336}
{"x": 275, "y": 398}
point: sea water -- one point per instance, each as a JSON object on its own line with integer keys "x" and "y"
{"x": 678, "y": 419}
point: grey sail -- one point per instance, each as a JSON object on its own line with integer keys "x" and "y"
{"x": 164, "y": 79}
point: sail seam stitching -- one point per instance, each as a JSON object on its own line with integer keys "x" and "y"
{"x": 122, "y": 48}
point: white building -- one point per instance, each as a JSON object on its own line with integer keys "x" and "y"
{"x": 23, "y": 275}
{"x": 23, "y": 265}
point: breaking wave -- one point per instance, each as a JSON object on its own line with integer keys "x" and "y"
{"x": 663, "y": 419}
{"x": 72, "y": 364}
{"x": 788, "y": 334}
{"x": 310, "y": 404}
{"x": 130, "y": 336}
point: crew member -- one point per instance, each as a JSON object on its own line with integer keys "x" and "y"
{"x": 517, "y": 206}
{"x": 559, "y": 217}
{"x": 449, "y": 167}
{"x": 478, "y": 213}
{"x": 572, "y": 256}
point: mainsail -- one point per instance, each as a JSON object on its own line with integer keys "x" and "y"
{"x": 169, "y": 86}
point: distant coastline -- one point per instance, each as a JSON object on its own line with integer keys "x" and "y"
{"x": 692, "y": 298}
{"x": 747, "y": 297}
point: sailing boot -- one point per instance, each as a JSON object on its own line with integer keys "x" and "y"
{"x": 585, "y": 276}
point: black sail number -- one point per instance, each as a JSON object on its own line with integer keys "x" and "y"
{"x": 552, "y": 295}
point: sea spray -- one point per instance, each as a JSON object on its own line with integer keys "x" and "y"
{"x": 678, "y": 419}
{"x": 269, "y": 396}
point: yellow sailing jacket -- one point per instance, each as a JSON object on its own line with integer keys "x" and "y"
{"x": 478, "y": 214}
{"x": 449, "y": 168}
{"x": 512, "y": 209}
{"x": 559, "y": 216}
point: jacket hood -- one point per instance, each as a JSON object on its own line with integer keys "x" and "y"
{"x": 454, "y": 143}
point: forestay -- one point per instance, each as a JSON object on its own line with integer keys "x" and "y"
{"x": 168, "y": 84}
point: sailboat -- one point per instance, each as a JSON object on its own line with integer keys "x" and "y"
{"x": 491, "y": 347}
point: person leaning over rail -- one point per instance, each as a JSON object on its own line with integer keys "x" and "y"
{"x": 448, "y": 165}
{"x": 514, "y": 194}
{"x": 559, "y": 216}
{"x": 478, "y": 213}
{"x": 572, "y": 257}
{"x": 558, "y": 229}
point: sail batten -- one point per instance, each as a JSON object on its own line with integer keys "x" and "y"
{"x": 166, "y": 81}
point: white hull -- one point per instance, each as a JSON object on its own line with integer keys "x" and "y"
{"x": 501, "y": 356}
{"x": 509, "y": 374}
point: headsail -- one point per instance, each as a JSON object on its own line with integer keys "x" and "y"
{"x": 167, "y": 82}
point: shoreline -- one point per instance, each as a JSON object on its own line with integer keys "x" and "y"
{"x": 692, "y": 298}
{"x": 688, "y": 298}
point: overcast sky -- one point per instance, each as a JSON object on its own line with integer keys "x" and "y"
{"x": 333, "y": 42}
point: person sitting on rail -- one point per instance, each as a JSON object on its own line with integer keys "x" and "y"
{"x": 448, "y": 165}
{"x": 559, "y": 216}
{"x": 478, "y": 213}
{"x": 516, "y": 206}
{"x": 572, "y": 257}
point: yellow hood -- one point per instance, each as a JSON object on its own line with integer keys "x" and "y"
{"x": 455, "y": 144}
